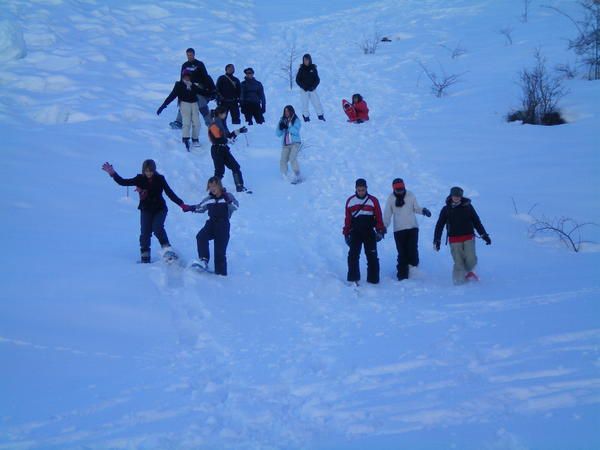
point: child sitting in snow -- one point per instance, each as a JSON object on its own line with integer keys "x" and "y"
{"x": 357, "y": 111}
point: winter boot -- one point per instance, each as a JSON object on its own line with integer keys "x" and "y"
{"x": 306, "y": 118}
{"x": 186, "y": 142}
{"x": 195, "y": 143}
{"x": 145, "y": 255}
{"x": 321, "y": 117}
{"x": 238, "y": 179}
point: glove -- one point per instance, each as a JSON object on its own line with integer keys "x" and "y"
{"x": 436, "y": 245}
{"x": 379, "y": 236}
{"x": 282, "y": 125}
{"x": 241, "y": 130}
{"x": 200, "y": 210}
{"x": 487, "y": 239}
{"x": 108, "y": 168}
{"x": 426, "y": 212}
{"x": 348, "y": 239}
{"x": 160, "y": 109}
{"x": 186, "y": 208}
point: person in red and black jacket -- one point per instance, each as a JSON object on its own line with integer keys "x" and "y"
{"x": 461, "y": 220}
{"x": 153, "y": 209}
{"x": 363, "y": 225}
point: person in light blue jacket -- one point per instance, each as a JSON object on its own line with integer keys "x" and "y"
{"x": 289, "y": 131}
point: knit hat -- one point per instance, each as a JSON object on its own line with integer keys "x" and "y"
{"x": 456, "y": 192}
{"x": 249, "y": 70}
{"x": 398, "y": 184}
{"x": 361, "y": 182}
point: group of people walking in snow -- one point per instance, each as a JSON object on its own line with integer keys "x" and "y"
{"x": 365, "y": 224}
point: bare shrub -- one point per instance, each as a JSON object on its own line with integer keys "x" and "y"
{"x": 287, "y": 67}
{"x": 587, "y": 42}
{"x": 507, "y": 33}
{"x": 566, "y": 71}
{"x": 540, "y": 93}
{"x": 440, "y": 83}
{"x": 369, "y": 44}
{"x": 525, "y": 13}
{"x": 456, "y": 51}
{"x": 566, "y": 229}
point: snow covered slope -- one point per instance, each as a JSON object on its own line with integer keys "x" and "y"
{"x": 99, "y": 352}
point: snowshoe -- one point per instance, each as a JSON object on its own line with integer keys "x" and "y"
{"x": 169, "y": 256}
{"x": 195, "y": 143}
{"x": 200, "y": 266}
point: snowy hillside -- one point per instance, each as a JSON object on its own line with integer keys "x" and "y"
{"x": 99, "y": 352}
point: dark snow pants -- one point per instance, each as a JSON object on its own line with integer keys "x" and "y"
{"x": 358, "y": 239}
{"x": 233, "y": 109}
{"x": 153, "y": 222}
{"x": 408, "y": 251}
{"x": 217, "y": 230}
{"x": 222, "y": 157}
{"x": 253, "y": 110}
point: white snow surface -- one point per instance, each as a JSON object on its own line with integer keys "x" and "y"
{"x": 99, "y": 352}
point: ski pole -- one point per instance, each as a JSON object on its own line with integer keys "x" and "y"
{"x": 246, "y": 136}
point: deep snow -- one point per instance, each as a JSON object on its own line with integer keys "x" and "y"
{"x": 100, "y": 352}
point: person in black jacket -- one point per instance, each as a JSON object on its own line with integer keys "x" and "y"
{"x": 219, "y": 136}
{"x": 308, "y": 80}
{"x": 220, "y": 205}
{"x": 252, "y": 98}
{"x": 153, "y": 210}
{"x": 204, "y": 82}
{"x": 228, "y": 93}
{"x": 186, "y": 92}
{"x": 461, "y": 220}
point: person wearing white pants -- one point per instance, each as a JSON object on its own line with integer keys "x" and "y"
{"x": 289, "y": 131}
{"x": 308, "y": 80}
{"x": 186, "y": 92}
{"x": 190, "y": 115}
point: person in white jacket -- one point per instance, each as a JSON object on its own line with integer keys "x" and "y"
{"x": 402, "y": 206}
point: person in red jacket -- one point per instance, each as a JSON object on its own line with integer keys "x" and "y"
{"x": 357, "y": 111}
{"x": 363, "y": 225}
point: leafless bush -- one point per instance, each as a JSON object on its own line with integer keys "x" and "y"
{"x": 369, "y": 44}
{"x": 440, "y": 83}
{"x": 525, "y": 13}
{"x": 587, "y": 42}
{"x": 455, "y": 52}
{"x": 540, "y": 94}
{"x": 507, "y": 33}
{"x": 568, "y": 230}
{"x": 566, "y": 71}
{"x": 287, "y": 68}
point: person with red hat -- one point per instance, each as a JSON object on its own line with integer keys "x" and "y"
{"x": 402, "y": 206}
{"x": 363, "y": 225}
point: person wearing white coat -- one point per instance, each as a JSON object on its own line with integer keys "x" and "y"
{"x": 402, "y": 206}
